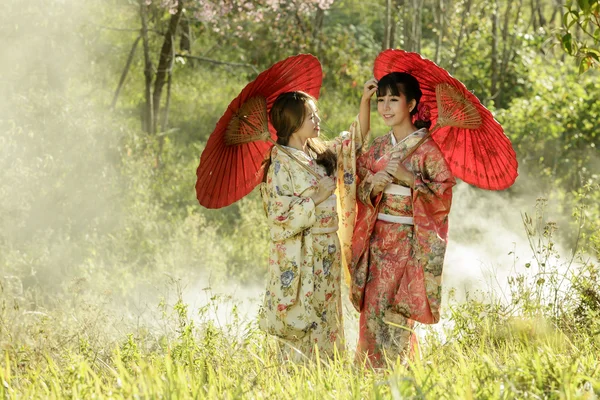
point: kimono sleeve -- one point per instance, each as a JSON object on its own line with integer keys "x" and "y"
{"x": 346, "y": 147}
{"x": 287, "y": 211}
{"x": 432, "y": 194}
{"x": 364, "y": 168}
{"x": 366, "y": 216}
{"x": 350, "y": 139}
{"x": 432, "y": 198}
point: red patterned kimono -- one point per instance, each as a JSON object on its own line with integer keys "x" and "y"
{"x": 398, "y": 247}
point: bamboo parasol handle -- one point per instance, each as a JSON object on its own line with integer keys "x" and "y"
{"x": 308, "y": 169}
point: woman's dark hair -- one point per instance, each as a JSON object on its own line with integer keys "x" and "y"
{"x": 287, "y": 115}
{"x": 402, "y": 82}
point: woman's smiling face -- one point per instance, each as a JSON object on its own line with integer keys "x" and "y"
{"x": 394, "y": 109}
{"x": 310, "y": 126}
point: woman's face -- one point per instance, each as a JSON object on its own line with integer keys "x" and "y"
{"x": 310, "y": 126}
{"x": 394, "y": 109}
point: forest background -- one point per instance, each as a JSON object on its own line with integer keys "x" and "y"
{"x": 107, "y": 261}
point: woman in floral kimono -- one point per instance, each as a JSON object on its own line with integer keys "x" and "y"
{"x": 401, "y": 229}
{"x": 302, "y": 304}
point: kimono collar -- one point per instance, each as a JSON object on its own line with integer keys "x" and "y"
{"x": 419, "y": 133}
{"x": 297, "y": 153}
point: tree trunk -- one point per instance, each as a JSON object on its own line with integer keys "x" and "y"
{"x": 404, "y": 17}
{"x": 303, "y": 28}
{"x": 413, "y": 25}
{"x": 533, "y": 14}
{"x": 185, "y": 39}
{"x": 494, "y": 53}
{"x": 387, "y": 25}
{"x": 414, "y": 14}
{"x": 540, "y": 13}
{"x": 418, "y": 24}
{"x": 164, "y": 64}
{"x": 165, "y": 121}
{"x": 317, "y": 27}
{"x": 393, "y": 31}
{"x": 125, "y": 71}
{"x": 399, "y": 24}
{"x": 147, "y": 112}
{"x": 508, "y": 47}
{"x": 440, "y": 20}
{"x": 558, "y": 9}
{"x": 457, "y": 48}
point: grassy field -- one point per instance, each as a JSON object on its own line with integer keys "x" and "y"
{"x": 542, "y": 344}
{"x": 481, "y": 357}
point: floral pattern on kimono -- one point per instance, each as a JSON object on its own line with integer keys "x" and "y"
{"x": 302, "y": 303}
{"x": 396, "y": 268}
{"x": 347, "y": 147}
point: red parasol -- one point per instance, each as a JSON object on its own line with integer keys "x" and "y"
{"x": 231, "y": 163}
{"x": 472, "y": 141}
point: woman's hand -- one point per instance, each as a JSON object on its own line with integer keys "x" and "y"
{"x": 380, "y": 181}
{"x": 325, "y": 188}
{"x": 369, "y": 89}
{"x": 364, "y": 113}
{"x": 396, "y": 169}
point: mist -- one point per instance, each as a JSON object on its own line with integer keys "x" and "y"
{"x": 79, "y": 228}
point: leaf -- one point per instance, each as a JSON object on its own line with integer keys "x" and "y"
{"x": 584, "y": 5}
{"x": 584, "y": 64}
{"x": 590, "y": 50}
{"x": 567, "y": 43}
{"x": 592, "y": 53}
{"x": 572, "y": 22}
{"x": 565, "y": 18}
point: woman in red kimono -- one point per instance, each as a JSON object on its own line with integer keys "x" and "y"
{"x": 402, "y": 224}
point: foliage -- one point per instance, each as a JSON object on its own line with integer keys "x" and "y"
{"x": 581, "y": 32}
{"x": 562, "y": 151}
{"x": 93, "y": 228}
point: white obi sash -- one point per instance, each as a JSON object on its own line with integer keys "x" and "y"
{"x": 396, "y": 190}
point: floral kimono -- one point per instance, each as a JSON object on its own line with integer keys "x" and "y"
{"x": 302, "y": 302}
{"x": 398, "y": 247}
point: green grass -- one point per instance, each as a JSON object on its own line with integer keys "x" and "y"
{"x": 480, "y": 354}
{"x": 544, "y": 343}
